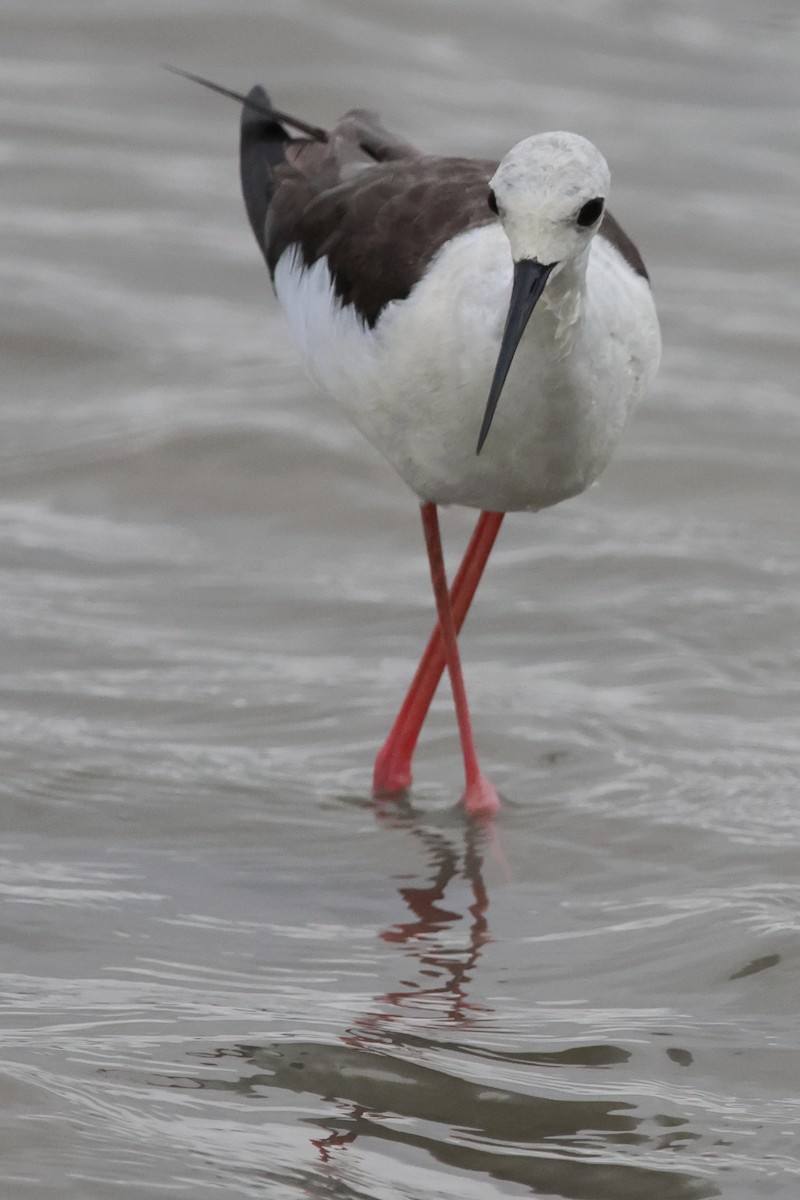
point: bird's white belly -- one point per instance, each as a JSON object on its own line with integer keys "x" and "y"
{"x": 416, "y": 384}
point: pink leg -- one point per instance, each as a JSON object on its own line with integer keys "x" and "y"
{"x": 480, "y": 798}
{"x": 392, "y": 772}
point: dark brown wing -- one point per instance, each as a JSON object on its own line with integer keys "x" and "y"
{"x": 613, "y": 232}
{"x": 380, "y": 228}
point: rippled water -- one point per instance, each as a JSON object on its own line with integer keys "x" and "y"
{"x": 225, "y": 972}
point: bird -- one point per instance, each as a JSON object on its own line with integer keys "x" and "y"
{"x": 487, "y": 325}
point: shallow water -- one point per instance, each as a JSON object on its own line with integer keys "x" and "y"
{"x": 225, "y": 972}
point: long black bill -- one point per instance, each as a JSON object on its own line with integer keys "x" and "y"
{"x": 529, "y": 280}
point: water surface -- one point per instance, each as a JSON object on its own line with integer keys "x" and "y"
{"x": 225, "y": 972}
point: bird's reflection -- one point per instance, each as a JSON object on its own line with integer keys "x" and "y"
{"x": 444, "y": 969}
{"x": 384, "y": 1078}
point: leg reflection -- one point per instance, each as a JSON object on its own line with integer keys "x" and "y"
{"x": 444, "y": 965}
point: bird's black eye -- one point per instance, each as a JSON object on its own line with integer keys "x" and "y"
{"x": 591, "y": 212}
{"x": 492, "y": 201}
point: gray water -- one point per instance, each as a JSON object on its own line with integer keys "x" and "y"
{"x": 224, "y": 971}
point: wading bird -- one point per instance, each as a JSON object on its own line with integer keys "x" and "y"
{"x": 488, "y": 327}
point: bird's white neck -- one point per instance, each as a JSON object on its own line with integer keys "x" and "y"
{"x": 564, "y": 298}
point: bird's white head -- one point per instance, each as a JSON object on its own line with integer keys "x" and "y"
{"x": 549, "y": 193}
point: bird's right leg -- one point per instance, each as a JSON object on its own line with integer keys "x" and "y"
{"x": 480, "y": 798}
{"x": 392, "y": 773}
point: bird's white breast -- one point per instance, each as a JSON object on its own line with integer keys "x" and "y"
{"x": 416, "y": 384}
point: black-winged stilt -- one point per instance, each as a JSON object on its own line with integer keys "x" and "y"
{"x": 415, "y": 287}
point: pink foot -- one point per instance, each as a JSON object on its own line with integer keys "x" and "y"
{"x": 480, "y": 798}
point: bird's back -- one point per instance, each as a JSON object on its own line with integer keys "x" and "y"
{"x": 367, "y": 202}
